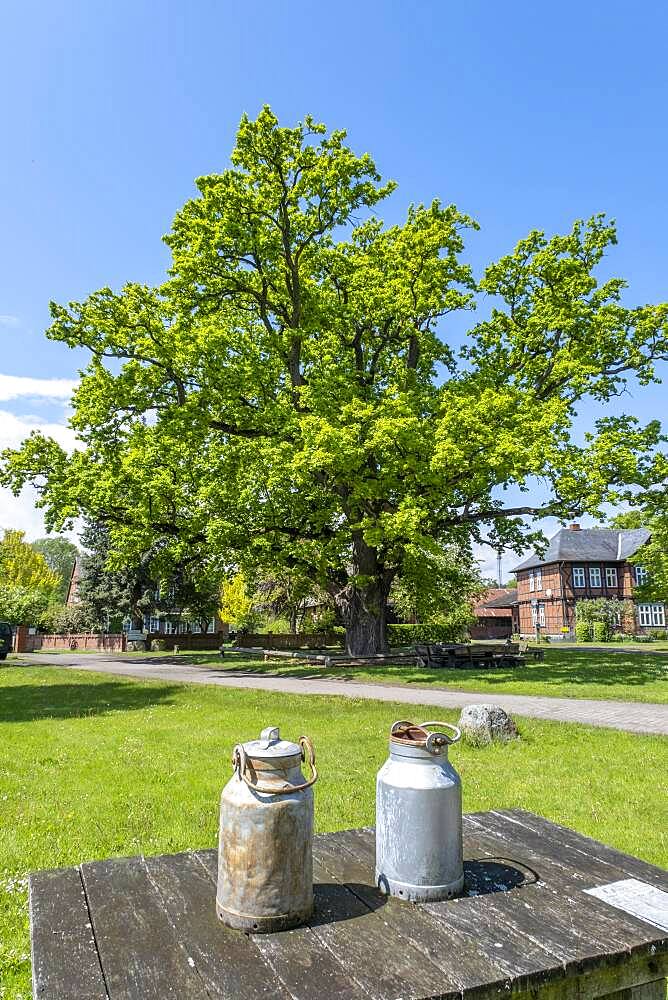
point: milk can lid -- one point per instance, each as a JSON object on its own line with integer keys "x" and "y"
{"x": 270, "y": 745}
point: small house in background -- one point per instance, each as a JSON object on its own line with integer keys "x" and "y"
{"x": 581, "y": 564}
{"x": 496, "y": 614}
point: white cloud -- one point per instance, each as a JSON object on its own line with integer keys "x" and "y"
{"x": 20, "y": 512}
{"x": 6, "y": 320}
{"x": 13, "y": 430}
{"x": 15, "y": 386}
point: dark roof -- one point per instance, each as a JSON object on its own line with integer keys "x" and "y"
{"x": 588, "y": 545}
{"x": 507, "y": 599}
{"x": 496, "y": 603}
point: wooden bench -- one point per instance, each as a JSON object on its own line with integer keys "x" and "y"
{"x": 527, "y": 926}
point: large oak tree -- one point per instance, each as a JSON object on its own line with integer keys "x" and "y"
{"x": 292, "y": 395}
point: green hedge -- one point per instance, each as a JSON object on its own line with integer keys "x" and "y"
{"x": 409, "y": 635}
{"x": 601, "y": 631}
{"x": 583, "y": 631}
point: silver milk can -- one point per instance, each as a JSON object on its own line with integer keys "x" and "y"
{"x": 419, "y": 852}
{"x": 265, "y": 867}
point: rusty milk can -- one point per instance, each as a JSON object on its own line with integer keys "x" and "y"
{"x": 419, "y": 852}
{"x": 265, "y": 867}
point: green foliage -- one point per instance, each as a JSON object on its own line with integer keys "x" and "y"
{"x": 22, "y": 605}
{"x": 652, "y": 513}
{"x": 583, "y": 631}
{"x": 22, "y": 566}
{"x": 288, "y": 397}
{"x": 60, "y": 555}
{"x": 63, "y": 618}
{"x": 408, "y": 635}
{"x": 237, "y": 605}
{"x": 27, "y": 584}
{"x": 600, "y": 631}
{"x": 437, "y": 584}
{"x": 609, "y": 610}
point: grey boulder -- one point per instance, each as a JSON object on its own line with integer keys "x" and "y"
{"x": 484, "y": 724}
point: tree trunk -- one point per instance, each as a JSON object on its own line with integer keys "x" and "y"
{"x": 363, "y": 604}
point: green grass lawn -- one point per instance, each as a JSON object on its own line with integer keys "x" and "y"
{"x": 564, "y": 674}
{"x": 93, "y": 766}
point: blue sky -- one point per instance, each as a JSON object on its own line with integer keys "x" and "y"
{"x": 526, "y": 115}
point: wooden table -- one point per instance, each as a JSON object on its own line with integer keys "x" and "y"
{"x": 144, "y": 928}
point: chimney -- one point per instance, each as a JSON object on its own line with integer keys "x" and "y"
{"x": 574, "y": 527}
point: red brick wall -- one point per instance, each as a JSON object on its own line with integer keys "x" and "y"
{"x": 25, "y": 643}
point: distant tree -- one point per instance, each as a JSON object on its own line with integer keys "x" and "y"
{"x": 437, "y": 584}
{"x": 60, "y": 555}
{"x": 113, "y": 593}
{"x": 191, "y": 591}
{"x": 27, "y": 584}
{"x": 293, "y": 596}
{"x": 23, "y": 605}
{"x": 22, "y": 566}
{"x": 237, "y": 604}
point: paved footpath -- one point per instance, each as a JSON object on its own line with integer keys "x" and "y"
{"x": 634, "y": 717}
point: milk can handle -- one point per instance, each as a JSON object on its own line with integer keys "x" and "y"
{"x": 437, "y": 739}
{"x": 239, "y": 761}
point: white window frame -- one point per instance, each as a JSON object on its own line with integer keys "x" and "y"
{"x": 154, "y": 624}
{"x": 595, "y": 574}
{"x": 579, "y": 578}
{"x": 532, "y": 582}
{"x": 196, "y": 628}
{"x": 169, "y": 627}
{"x": 539, "y": 579}
{"x": 652, "y": 615}
{"x": 212, "y": 625}
{"x": 611, "y": 579}
{"x": 538, "y": 614}
{"x": 640, "y": 575}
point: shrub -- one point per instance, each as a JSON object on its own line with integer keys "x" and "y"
{"x": 601, "y": 632}
{"x": 409, "y": 635}
{"x": 643, "y": 638}
{"x": 583, "y": 631}
{"x": 658, "y": 633}
{"x": 158, "y": 645}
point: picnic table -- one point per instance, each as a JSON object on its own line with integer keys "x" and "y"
{"x": 479, "y": 654}
{"x": 528, "y": 924}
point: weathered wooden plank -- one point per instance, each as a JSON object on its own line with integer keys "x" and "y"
{"x": 297, "y": 957}
{"x": 521, "y": 837}
{"x": 227, "y": 962}
{"x": 140, "y": 953}
{"x": 481, "y": 841}
{"x": 385, "y": 964}
{"x": 610, "y": 930}
{"x": 522, "y": 960}
{"x": 65, "y": 962}
{"x": 558, "y": 835}
{"x": 560, "y": 919}
{"x": 464, "y": 966}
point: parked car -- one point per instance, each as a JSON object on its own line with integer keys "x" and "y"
{"x": 5, "y": 640}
